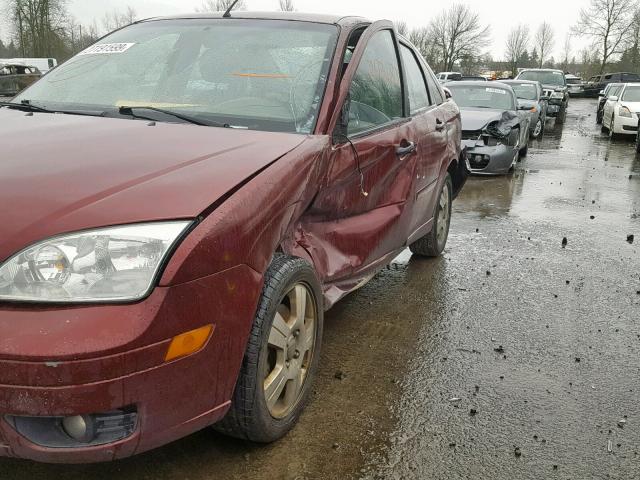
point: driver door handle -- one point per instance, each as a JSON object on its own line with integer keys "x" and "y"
{"x": 406, "y": 149}
{"x": 439, "y": 125}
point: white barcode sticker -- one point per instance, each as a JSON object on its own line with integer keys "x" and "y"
{"x": 107, "y": 48}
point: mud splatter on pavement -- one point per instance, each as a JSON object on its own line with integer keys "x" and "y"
{"x": 505, "y": 346}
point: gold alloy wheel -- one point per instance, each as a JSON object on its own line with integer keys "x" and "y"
{"x": 291, "y": 347}
{"x": 443, "y": 216}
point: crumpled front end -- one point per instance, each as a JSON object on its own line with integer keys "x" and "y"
{"x": 494, "y": 149}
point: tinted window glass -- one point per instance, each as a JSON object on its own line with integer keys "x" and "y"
{"x": 545, "y": 77}
{"x": 630, "y": 77}
{"x": 376, "y": 91}
{"x": 418, "y": 96}
{"x": 615, "y": 91}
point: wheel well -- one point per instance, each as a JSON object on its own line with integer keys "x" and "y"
{"x": 459, "y": 173}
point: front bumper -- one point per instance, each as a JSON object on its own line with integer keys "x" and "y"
{"x": 61, "y": 362}
{"x": 626, "y": 125}
{"x": 485, "y": 160}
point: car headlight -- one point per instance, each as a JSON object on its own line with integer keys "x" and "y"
{"x": 557, "y": 95}
{"x": 625, "y": 112}
{"x": 103, "y": 265}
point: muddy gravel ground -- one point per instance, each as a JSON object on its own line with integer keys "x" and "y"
{"x": 511, "y": 357}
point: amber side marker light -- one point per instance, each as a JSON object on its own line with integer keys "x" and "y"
{"x": 188, "y": 343}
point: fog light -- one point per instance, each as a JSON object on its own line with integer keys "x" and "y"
{"x": 81, "y": 428}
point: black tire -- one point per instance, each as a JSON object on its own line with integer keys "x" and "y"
{"x": 523, "y": 152}
{"x": 541, "y": 133}
{"x": 249, "y": 417}
{"x": 638, "y": 141}
{"x": 599, "y": 118}
{"x": 562, "y": 115}
{"x": 429, "y": 246}
{"x": 611, "y": 129}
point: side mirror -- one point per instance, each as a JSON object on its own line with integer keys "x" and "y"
{"x": 447, "y": 93}
{"x": 614, "y": 98}
{"x": 601, "y": 93}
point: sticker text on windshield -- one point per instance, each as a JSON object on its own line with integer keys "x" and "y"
{"x": 107, "y": 48}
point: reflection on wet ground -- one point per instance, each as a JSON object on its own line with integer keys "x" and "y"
{"x": 509, "y": 358}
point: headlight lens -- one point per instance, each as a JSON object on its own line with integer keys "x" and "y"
{"x": 557, "y": 95}
{"x": 105, "y": 265}
{"x": 625, "y": 112}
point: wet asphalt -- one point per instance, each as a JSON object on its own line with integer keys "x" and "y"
{"x": 511, "y": 357}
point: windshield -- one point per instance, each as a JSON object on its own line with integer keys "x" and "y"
{"x": 631, "y": 94}
{"x": 258, "y": 74}
{"x": 482, "y": 97}
{"x": 544, "y": 77}
{"x": 525, "y": 91}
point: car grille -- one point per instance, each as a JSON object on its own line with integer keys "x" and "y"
{"x": 471, "y": 134}
{"x": 548, "y": 93}
{"x": 478, "y": 162}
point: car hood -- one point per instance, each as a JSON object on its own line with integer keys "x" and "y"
{"x": 478, "y": 118}
{"x": 63, "y": 173}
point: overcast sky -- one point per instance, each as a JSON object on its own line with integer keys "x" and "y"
{"x": 501, "y": 15}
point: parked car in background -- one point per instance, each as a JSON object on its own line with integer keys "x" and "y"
{"x": 15, "y": 78}
{"x": 620, "y": 114}
{"x": 575, "y": 85}
{"x": 598, "y": 83}
{"x": 495, "y": 130}
{"x": 444, "y": 77}
{"x": 172, "y": 244}
{"x": 42, "y": 64}
{"x": 530, "y": 95}
{"x": 554, "y": 86}
{"x": 473, "y": 78}
{"x": 611, "y": 89}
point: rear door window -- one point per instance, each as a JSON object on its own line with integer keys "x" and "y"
{"x": 417, "y": 88}
{"x": 376, "y": 90}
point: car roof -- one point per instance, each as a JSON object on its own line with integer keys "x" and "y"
{"x": 290, "y": 16}
{"x": 520, "y": 82}
{"x": 541, "y": 70}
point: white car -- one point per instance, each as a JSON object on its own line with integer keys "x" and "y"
{"x": 444, "y": 77}
{"x": 621, "y": 111}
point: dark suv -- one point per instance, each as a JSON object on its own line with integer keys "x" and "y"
{"x": 598, "y": 83}
{"x": 554, "y": 85}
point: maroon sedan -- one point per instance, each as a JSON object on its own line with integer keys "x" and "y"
{"x": 183, "y": 201}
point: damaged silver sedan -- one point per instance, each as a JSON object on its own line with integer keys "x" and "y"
{"x": 495, "y": 129}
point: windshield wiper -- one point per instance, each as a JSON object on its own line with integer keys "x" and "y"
{"x": 27, "y": 106}
{"x": 130, "y": 111}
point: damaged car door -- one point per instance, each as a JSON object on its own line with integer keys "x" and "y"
{"x": 362, "y": 213}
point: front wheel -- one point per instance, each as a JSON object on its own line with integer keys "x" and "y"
{"x": 282, "y": 354}
{"x": 638, "y": 140}
{"x": 612, "y": 133}
{"x": 538, "y": 131}
{"x": 562, "y": 115}
{"x": 432, "y": 244}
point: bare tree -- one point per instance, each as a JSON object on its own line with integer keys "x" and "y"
{"x": 566, "y": 52}
{"x": 116, "y": 19}
{"x": 425, "y": 41}
{"x": 402, "y": 28}
{"x": 287, "y": 6}
{"x": 459, "y": 34}
{"x": 39, "y": 25}
{"x": 544, "y": 41}
{"x": 220, "y": 5}
{"x": 606, "y": 23}
{"x": 516, "y": 46}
